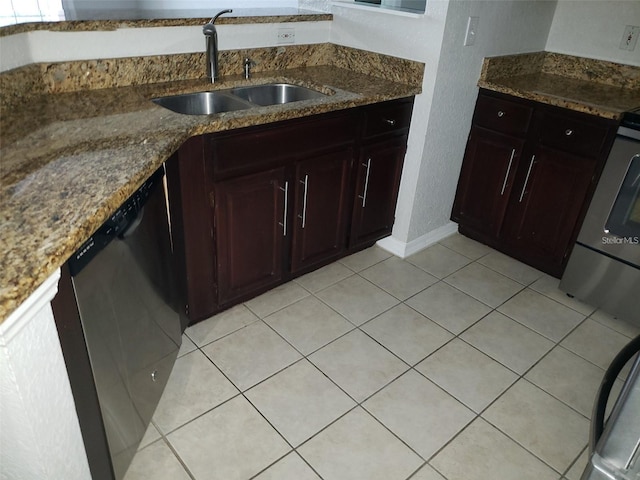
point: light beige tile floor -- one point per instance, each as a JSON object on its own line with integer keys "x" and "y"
{"x": 457, "y": 363}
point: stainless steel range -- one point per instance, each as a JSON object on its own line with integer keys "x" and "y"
{"x": 604, "y": 267}
{"x": 614, "y": 443}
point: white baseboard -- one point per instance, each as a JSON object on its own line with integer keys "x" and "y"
{"x": 406, "y": 249}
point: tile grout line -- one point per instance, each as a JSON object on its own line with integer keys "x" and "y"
{"x": 410, "y": 366}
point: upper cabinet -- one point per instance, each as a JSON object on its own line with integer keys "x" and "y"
{"x": 528, "y": 174}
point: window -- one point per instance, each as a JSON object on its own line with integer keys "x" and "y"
{"x": 23, "y": 11}
{"x": 417, "y": 6}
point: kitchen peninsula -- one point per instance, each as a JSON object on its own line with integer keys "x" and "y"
{"x": 78, "y": 137}
{"x": 90, "y": 149}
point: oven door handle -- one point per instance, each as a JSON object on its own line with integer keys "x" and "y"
{"x": 610, "y": 376}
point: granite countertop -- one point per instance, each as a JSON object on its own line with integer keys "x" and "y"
{"x": 69, "y": 159}
{"x": 601, "y": 88}
{"x": 108, "y": 19}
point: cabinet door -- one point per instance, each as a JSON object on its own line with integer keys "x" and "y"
{"x": 547, "y": 207}
{"x": 319, "y": 222}
{"x": 378, "y": 178}
{"x": 486, "y": 181}
{"x": 250, "y": 227}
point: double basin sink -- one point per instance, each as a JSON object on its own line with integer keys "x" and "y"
{"x": 239, "y": 98}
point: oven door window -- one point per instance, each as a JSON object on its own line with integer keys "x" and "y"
{"x": 624, "y": 219}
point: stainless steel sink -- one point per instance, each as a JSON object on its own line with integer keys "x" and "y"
{"x": 239, "y": 98}
{"x": 202, "y": 103}
{"x": 275, "y": 93}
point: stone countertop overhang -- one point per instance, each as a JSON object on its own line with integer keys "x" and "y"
{"x": 113, "y": 19}
{"x": 69, "y": 159}
{"x": 601, "y": 88}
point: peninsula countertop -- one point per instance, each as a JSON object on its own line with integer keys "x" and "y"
{"x": 68, "y": 160}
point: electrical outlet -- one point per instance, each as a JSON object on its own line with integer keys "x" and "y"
{"x": 472, "y": 29}
{"x": 630, "y": 37}
{"x": 286, "y": 35}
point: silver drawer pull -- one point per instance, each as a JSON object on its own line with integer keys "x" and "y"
{"x": 506, "y": 175}
{"x": 568, "y": 132}
{"x": 500, "y": 113}
{"x": 283, "y": 224}
{"x": 366, "y": 183}
{"x": 389, "y": 121}
{"x": 303, "y": 217}
{"x": 526, "y": 180}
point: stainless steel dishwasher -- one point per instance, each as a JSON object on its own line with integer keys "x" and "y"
{"x": 122, "y": 282}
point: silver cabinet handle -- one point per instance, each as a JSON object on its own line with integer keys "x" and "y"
{"x": 500, "y": 113}
{"x": 526, "y": 180}
{"x": 304, "y": 201}
{"x": 286, "y": 206}
{"x": 568, "y": 132}
{"x": 366, "y": 182}
{"x": 389, "y": 121}
{"x": 506, "y": 175}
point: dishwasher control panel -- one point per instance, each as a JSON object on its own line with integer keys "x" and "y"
{"x": 116, "y": 224}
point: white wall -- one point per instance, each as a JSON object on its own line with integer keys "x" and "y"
{"x": 417, "y": 38}
{"x": 442, "y": 113}
{"x": 594, "y": 29}
{"x": 505, "y": 27}
{"x": 47, "y": 46}
{"x": 39, "y": 431}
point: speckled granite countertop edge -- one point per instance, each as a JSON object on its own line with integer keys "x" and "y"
{"x": 548, "y": 99}
{"x": 190, "y": 19}
{"x": 601, "y": 88}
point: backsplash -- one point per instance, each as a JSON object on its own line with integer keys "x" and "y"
{"x": 73, "y": 76}
{"x": 579, "y": 68}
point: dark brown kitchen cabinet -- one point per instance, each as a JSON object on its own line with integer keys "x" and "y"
{"x": 190, "y": 200}
{"x": 378, "y": 179}
{"x": 250, "y": 226}
{"x": 378, "y": 169}
{"x": 320, "y": 209}
{"x": 255, "y": 207}
{"x": 527, "y": 176}
{"x": 258, "y": 216}
{"x": 486, "y": 180}
{"x": 545, "y": 210}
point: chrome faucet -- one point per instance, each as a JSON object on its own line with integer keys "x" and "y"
{"x": 211, "y": 37}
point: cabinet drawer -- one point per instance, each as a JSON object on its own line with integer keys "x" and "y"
{"x": 502, "y": 115}
{"x": 570, "y": 134}
{"x": 387, "y": 117}
{"x": 256, "y": 148}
